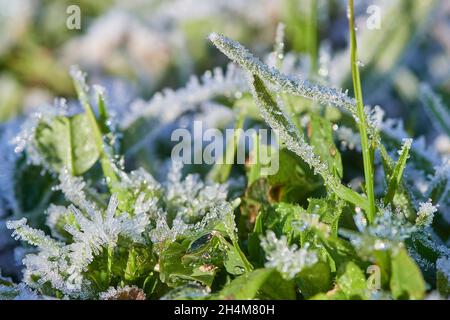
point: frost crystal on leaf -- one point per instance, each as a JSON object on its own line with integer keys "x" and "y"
{"x": 55, "y": 216}
{"x": 390, "y": 225}
{"x": 238, "y": 53}
{"x": 72, "y": 187}
{"x": 190, "y": 198}
{"x": 288, "y": 133}
{"x": 17, "y": 292}
{"x": 23, "y": 141}
{"x": 34, "y": 237}
{"x": 196, "y": 91}
{"x": 312, "y": 222}
{"x": 287, "y": 260}
{"x": 425, "y": 214}
{"x": 388, "y": 230}
{"x": 63, "y": 265}
{"x": 125, "y": 293}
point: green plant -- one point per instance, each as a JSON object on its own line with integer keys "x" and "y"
{"x": 300, "y": 233}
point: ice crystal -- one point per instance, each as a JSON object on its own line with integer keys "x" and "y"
{"x": 394, "y": 129}
{"x": 312, "y": 221}
{"x": 238, "y": 53}
{"x": 290, "y": 135}
{"x": 288, "y": 260}
{"x": 55, "y": 216}
{"x": 191, "y": 290}
{"x": 407, "y": 142}
{"x": 125, "y": 293}
{"x": 425, "y": 214}
{"x": 23, "y": 141}
{"x": 34, "y": 237}
{"x": 63, "y": 265}
{"x": 440, "y": 177}
{"x": 374, "y": 118}
{"x": 388, "y": 231}
{"x": 390, "y": 225}
{"x": 193, "y": 205}
{"x": 196, "y": 91}
{"x": 219, "y": 212}
{"x": 17, "y": 292}
{"x": 72, "y": 187}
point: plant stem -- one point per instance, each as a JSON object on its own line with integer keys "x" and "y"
{"x": 110, "y": 261}
{"x": 362, "y": 123}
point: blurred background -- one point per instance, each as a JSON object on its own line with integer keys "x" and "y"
{"x": 137, "y": 48}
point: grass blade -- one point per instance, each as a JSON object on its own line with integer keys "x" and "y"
{"x": 295, "y": 142}
{"x": 221, "y": 171}
{"x": 239, "y": 54}
{"x": 105, "y": 161}
{"x": 362, "y": 123}
{"x": 396, "y": 176}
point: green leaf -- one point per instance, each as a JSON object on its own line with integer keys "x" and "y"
{"x": 280, "y": 218}
{"x": 295, "y": 142}
{"x": 341, "y": 251}
{"x": 95, "y": 129}
{"x": 328, "y": 210}
{"x": 258, "y": 282}
{"x": 263, "y": 159}
{"x": 8, "y": 292}
{"x": 188, "y": 291}
{"x": 362, "y": 123}
{"x": 233, "y": 262}
{"x": 66, "y": 142}
{"x": 33, "y": 192}
{"x": 321, "y": 138}
{"x": 221, "y": 171}
{"x": 396, "y": 176}
{"x": 277, "y": 288}
{"x": 246, "y": 286}
{"x": 238, "y": 53}
{"x": 139, "y": 265}
{"x": 402, "y": 198}
{"x": 294, "y": 181}
{"x": 174, "y": 272}
{"x": 406, "y": 279}
{"x": 314, "y": 279}
{"x": 351, "y": 281}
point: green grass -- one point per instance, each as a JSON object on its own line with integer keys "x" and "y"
{"x": 367, "y": 151}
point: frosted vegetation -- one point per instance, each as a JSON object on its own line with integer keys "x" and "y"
{"x": 100, "y": 211}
